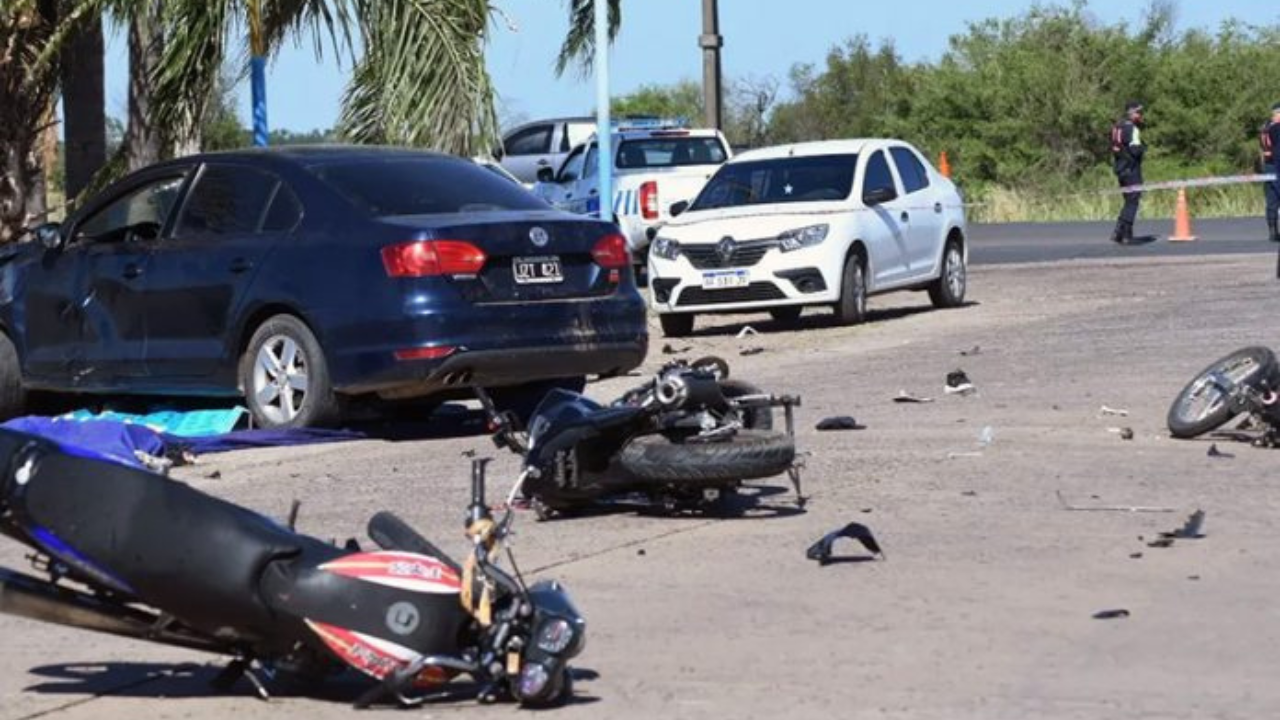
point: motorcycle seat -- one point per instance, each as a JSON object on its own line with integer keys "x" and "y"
{"x": 171, "y": 546}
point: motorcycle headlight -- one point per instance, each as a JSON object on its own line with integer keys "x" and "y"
{"x": 534, "y": 678}
{"x": 802, "y": 237}
{"x": 556, "y": 635}
{"x": 665, "y": 248}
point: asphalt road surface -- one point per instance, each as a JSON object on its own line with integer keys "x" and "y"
{"x": 1045, "y": 242}
{"x": 985, "y": 606}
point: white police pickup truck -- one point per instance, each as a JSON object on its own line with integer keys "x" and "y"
{"x": 654, "y": 168}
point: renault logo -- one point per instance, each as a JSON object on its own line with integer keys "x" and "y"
{"x": 725, "y": 249}
{"x": 539, "y": 237}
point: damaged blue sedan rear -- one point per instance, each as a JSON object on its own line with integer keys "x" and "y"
{"x": 303, "y": 279}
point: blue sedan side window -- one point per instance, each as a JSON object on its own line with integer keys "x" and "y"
{"x": 226, "y": 200}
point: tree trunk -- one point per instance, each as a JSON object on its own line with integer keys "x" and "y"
{"x": 143, "y": 140}
{"x": 24, "y": 96}
{"x": 83, "y": 104}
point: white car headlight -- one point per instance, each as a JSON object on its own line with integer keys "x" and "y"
{"x": 665, "y": 248}
{"x": 802, "y": 237}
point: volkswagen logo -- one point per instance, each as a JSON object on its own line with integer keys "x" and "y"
{"x": 539, "y": 237}
{"x": 725, "y": 249}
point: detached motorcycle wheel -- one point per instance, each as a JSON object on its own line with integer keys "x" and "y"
{"x": 748, "y": 455}
{"x": 1205, "y": 403}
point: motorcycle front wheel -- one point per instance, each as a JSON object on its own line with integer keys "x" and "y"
{"x": 747, "y": 455}
{"x": 1205, "y": 404}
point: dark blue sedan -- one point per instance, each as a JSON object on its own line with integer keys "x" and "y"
{"x": 303, "y": 278}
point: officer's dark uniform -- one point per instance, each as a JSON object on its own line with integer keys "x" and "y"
{"x": 1127, "y": 149}
{"x": 1270, "y": 140}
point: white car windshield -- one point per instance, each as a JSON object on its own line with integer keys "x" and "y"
{"x": 815, "y": 178}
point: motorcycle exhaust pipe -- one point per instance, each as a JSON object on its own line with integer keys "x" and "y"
{"x": 680, "y": 390}
{"x": 35, "y": 599}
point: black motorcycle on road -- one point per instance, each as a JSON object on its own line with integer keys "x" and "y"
{"x": 127, "y": 552}
{"x": 684, "y": 440}
{"x": 1245, "y": 382}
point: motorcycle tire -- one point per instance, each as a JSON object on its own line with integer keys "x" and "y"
{"x": 760, "y": 418}
{"x": 1247, "y": 366}
{"x": 748, "y": 455}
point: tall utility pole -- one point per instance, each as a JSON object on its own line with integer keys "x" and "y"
{"x": 604, "y": 128}
{"x": 711, "y": 41}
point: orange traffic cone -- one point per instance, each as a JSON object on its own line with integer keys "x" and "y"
{"x": 944, "y": 167}
{"x": 1182, "y": 220}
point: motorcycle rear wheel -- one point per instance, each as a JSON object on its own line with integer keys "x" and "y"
{"x": 748, "y": 455}
{"x": 1205, "y": 405}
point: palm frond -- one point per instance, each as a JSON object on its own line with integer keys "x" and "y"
{"x": 325, "y": 22}
{"x": 196, "y": 35}
{"x": 422, "y": 79}
{"x": 580, "y": 43}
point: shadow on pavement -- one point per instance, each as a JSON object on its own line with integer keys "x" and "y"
{"x": 813, "y": 320}
{"x": 192, "y": 681}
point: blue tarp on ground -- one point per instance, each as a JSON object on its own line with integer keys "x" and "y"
{"x": 184, "y": 423}
{"x": 120, "y": 441}
{"x": 112, "y": 440}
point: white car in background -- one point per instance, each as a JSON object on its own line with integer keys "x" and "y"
{"x": 653, "y": 169}
{"x": 815, "y": 224}
{"x": 542, "y": 144}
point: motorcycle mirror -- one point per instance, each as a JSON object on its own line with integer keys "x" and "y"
{"x": 478, "y": 510}
{"x": 49, "y": 235}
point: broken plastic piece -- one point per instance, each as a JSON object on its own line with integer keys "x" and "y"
{"x": 958, "y": 383}
{"x": 747, "y": 330}
{"x": 1191, "y": 529}
{"x": 906, "y": 397}
{"x": 1118, "y": 412}
{"x": 670, "y": 349}
{"x": 747, "y": 352}
{"x": 1111, "y": 614}
{"x": 975, "y": 350}
{"x": 840, "y": 422}
{"x": 1126, "y": 433}
{"x": 821, "y": 550}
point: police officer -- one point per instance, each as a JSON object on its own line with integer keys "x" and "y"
{"x": 1127, "y": 150}
{"x": 1270, "y": 140}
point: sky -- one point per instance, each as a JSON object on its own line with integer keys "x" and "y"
{"x": 658, "y": 44}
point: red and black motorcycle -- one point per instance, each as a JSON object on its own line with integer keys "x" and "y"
{"x": 124, "y": 551}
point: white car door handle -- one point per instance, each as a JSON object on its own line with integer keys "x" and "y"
{"x": 543, "y": 162}
{"x": 906, "y": 217}
{"x": 937, "y": 207}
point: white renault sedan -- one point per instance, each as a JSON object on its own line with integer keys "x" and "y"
{"x": 816, "y": 224}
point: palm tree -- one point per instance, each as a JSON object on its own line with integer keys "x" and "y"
{"x": 27, "y": 89}
{"x": 580, "y": 44}
{"x": 83, "y": 101}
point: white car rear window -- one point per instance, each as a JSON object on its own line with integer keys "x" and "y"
{"x": 670, "y": 152}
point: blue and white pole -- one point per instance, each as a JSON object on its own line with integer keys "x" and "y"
{"x": 604, "y": 134}
{"x": 258, "y": 74}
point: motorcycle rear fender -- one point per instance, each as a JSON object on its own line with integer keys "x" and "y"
{"x": 375, "y": 611}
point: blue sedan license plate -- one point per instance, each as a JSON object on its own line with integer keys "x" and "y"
{"x": 531, "y": 270}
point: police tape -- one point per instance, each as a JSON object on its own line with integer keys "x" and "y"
{"x": 1220, "y": 181}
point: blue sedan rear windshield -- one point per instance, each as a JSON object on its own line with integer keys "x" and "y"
{"x": 424, "y": 186}
{"x": 782, "y": 180}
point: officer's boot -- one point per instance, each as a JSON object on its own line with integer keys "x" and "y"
{"x": 1117, "y": 235}
{"x": 1128, "y": 233}
{"x": 1274, "y": 229}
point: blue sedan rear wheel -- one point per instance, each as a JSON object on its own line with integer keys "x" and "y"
{"x": 284, "y": 376}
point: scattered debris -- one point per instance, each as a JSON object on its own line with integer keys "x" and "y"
{"x": 975, "y": 350}
{"x": 468, "y": 453}
{"x": 1214, "y": 452}
{"x": 1161, "y": 542}
{"x": 866, "y": 511}
{"x": 1135, "y": 556}
{"x": 821, "y": 550}
{"x": 746, "y": 330}
{"x": 1126, "y": 433}
{"x": 970, "y": 493}
{"x": 747, "y": 352}
{"x": 958, "y": 383}
{"x": 907, "y": 398}
{"x": 840, "y": 422}
{"x": 1193, "y": 578}
{"x": 1117, "y": 412}
{"x": 1111, "y": 614}
{"x": 640, "y": 552}
{"x": 1191, "y": 529}
{"x": 215, "y": 475}
{"x": 987, "y": 436}
{"x": 1111, "y": 508}
{"x": 670, "y": 349}
{"x": 973, "y": 454}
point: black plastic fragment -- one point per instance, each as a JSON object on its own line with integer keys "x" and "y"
{"x": 1116, "y": 614}
{"x": 821, "y": 551}
{"x": 840, "y": 422}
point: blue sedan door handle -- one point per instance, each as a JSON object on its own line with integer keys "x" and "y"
{"x": 132, "y": 271}
{"x": 240, "y": 265}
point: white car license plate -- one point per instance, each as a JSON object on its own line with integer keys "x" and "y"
{"x": 531, "y": 270}
{"x": 725, "y": 279}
